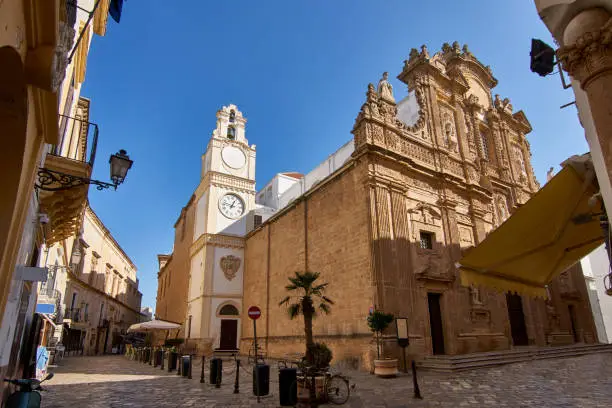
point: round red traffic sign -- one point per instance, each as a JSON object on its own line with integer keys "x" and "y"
{"x": 254, "y": 312}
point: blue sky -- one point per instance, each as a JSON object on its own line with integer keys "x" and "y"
{"x": 298, "y": 70}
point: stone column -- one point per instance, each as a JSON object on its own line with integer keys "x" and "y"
{"x": 587, "y": 57}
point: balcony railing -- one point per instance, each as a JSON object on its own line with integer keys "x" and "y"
{"x": 74, "y": 315}
{"x": 77, "y": 136}
{"x": 47, "y": 288}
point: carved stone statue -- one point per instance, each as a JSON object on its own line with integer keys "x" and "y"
{"x": 550, "y": 173}
{"x": 385, "y": 89}
{"x": 497, "y": 102}
{"x": 476, "y": 299}
{"x": 446, "y": 48}
{"x": 466, "y": 50}
{"x": 520, "y": 163}
{"x": 450, "y": 137}
{"x": 502, "y": 210}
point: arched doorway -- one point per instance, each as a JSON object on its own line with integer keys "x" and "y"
{"x": 13, "y": 117}
{"x": 229, "y": 327}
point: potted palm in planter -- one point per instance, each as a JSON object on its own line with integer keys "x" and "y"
{"x": 378, "y": 322}
{"x": 308, "y": 301}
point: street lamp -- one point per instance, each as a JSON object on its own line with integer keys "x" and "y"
{"x": 120, "y": 163}
{"x": 51, "y": 180}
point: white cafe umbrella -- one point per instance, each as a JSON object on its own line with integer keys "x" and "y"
{"x": 153, "y": 325}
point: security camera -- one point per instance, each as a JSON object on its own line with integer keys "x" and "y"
{"x": 43, "y": 218}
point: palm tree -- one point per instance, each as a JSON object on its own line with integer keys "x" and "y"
{"x": 310, "y": 293}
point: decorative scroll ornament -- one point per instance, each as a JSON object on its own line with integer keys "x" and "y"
{"x": 230, "y": 265}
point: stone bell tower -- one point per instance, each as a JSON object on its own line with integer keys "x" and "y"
{"x": 223, "y": 200}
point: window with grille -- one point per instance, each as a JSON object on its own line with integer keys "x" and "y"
{"x": 484, "y": 144}
{"x": 427, "y": 239}
{"x": 257, "y": 220}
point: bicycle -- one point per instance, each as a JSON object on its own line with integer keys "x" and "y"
{"x": 336, "y": 387}
{"x": 260, "y": 355}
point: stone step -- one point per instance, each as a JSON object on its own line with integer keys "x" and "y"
{"x": 496, "y": 358}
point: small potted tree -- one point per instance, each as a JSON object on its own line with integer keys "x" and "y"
{"x": 378, "y": 322}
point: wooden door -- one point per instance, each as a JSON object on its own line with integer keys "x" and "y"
{"x": 229, "y": 334}
{"x": 435, "y": 321}
{"x": 518, "y": 328}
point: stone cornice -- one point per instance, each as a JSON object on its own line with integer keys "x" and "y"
{"x": 219, "y": 240}
{"x": 213, "y": 178}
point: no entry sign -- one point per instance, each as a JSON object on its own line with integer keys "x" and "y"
{"x": 254, "y": 312}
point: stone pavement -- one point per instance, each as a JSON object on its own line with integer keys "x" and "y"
{"x": 115, "y": 382}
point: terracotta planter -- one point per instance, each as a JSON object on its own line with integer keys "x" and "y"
{"x": 303, "y": 391}
{"x": 386, "y": 368}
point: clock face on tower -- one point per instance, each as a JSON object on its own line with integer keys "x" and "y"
{"x": 231, "y": 206}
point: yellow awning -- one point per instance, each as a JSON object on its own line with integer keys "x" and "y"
{"x": 543, "y": 237}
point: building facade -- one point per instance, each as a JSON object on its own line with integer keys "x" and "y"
{"x": 384, "y": 220}
{"x": 581, "y": 29}
{"x": 93, "y": 288}
{"x": 42, "y": 66}
{"x": 596, "y": 268}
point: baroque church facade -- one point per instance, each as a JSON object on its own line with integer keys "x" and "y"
{"x": 384, "y": 220}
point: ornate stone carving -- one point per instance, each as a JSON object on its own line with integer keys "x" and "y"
{"x": 230, "y": 265}
{"x": 465, "y": 236}
{"x": 504, "y": 105}
{"x": 589, "y": 54}
{"x": 519, "y": 162}
{"x": 425, "y": 214}
{"x": 377, "y": 134}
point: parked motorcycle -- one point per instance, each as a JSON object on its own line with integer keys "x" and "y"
{"x": 28, "y": 395}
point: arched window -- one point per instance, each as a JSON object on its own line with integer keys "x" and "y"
{"x": 232, "y": 117}
{"x": 228, "y": 310}
{"x": 231, "y": 133}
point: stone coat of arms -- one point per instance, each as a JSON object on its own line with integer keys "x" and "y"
{"x": 230, "y": 265}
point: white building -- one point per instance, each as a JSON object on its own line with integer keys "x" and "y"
{"x": 595, "y": 267}
{"x": 147, "y": 313}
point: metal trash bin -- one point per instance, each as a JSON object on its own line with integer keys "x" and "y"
{"x": 157, "y": 358}
{"x": 172, "y": 361}
{"x": 185, "y": 366}
{"x": 287, "y": 391}
{"x": 216, "y": 367}
{"x": 261, "y": 375}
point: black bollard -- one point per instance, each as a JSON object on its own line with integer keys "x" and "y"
{"x": 218, "y": 379}
{"x": 190, "y": 364}
{"x": 162, "y": 359}
{"x": 237, "y": 381}
{"x": 202, "y": 373}
{"x": 415, "y": 383}
{"x": 179, "y": 364}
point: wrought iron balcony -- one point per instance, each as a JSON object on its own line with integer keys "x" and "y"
{"x": 74, "y": 315}
{"x": 62, "y": 196}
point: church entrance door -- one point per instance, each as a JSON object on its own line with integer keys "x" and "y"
{"x": 518, "y": 328}
{"x": 435, "y": 321}
{"x": 229, "y": 334}
{"x": 572, "y": 315}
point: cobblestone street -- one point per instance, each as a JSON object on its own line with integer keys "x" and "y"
{"x": 114, "y": 381}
